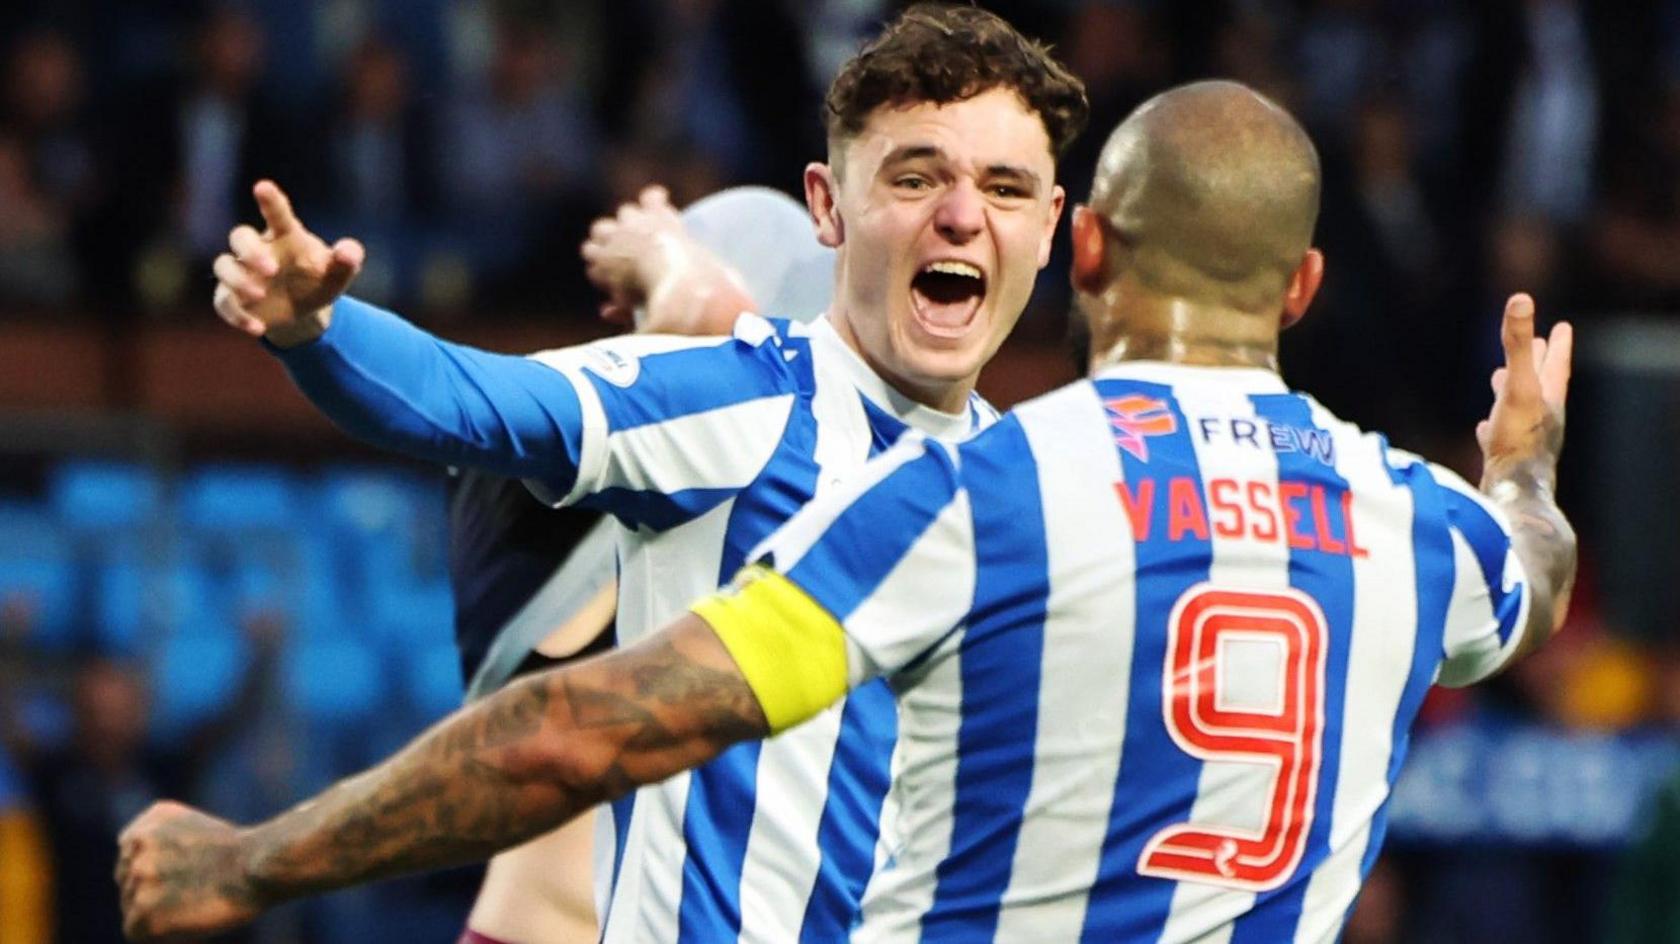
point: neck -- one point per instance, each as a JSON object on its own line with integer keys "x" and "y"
{"x": 1134, "y": 325}
{"x": 946, "y": 396}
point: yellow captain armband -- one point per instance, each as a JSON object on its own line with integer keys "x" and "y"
{"x": 791, "y": 651}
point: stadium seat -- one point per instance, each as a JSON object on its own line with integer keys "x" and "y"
{"x": 38, "y": 573}
{"x": 223, "y": 498}
{"x": 99, "y": 496}
{"x": 387, "y": 525}
{"x": 332, "y": 682}
{"x": 121, "y": 601}
{"x": 411, "y": 614}
{"x": 195, "y": 675}
{"x": 434, "y": 681}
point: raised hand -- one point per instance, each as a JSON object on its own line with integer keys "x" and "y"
{"x": 1520, "y": 440}
{"x": 1526, "y": 423}
{"x": 629, "y": 253}
{"x": 281, "y": 282}
{"x": 180, "y": 874}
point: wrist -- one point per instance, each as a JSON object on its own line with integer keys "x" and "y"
{"x": 1514, "y": 476}
{"x": 303, "y": 330}
{"x": 666, "y": 260}
{"x": 259, "y": 868}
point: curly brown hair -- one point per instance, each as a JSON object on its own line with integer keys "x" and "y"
{"x": 943, "y": 53}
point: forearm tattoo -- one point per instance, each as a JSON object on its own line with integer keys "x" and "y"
{"x": 1540, "y": 534}
{"x": 516, "y": 765}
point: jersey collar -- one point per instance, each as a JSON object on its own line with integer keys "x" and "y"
{"x": 1244, "y": 379}
{"x": 951, "y": 427}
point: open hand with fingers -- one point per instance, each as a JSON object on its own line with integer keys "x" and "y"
{"x": 180, "y": 875}
{"x": 1520, "y": 441}
{"x": 281, "y": 283}
{"x": 1526, "y": 424}
{"x": 627, "y": 254}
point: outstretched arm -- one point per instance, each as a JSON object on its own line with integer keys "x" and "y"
{"x": 1520, "y": 441}
{"x": 379, "y": 377}
{"x": 510, "y": 767}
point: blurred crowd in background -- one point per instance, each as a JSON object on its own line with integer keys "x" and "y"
{"x": 239, "y": 635}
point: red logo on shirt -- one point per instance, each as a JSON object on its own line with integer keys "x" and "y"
{"x": 1134, "y": 418}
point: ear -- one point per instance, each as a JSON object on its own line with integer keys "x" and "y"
{"x": 1058, "y": 199}
{"x": 1303, "y": 285}
{"x": 1090, "y": 251}
{"x": 822, "y": 199}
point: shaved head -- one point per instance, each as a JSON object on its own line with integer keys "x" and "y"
{"x": 1212, "y": 191}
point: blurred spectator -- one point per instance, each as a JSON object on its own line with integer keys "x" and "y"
{"x": 36, "y": 266}
{"x": 1339, "y": 49}
{"x": 1122, "y": 53}
{"x": 47, "y": 175}
{"x": 380, "y": 143}
{"x": 522, "y": 139}
{"x": 1636, "y": 237}
{"x": 44, "y": 110}
{"x": 183, "y": 160}
{"x": 25, "y": 891}
{"x": 378, "y": 176}
{"x": 1554, "y": 119}
{"x": 520, "y": 166}
{"x": 221, "y": 115}
{"x": 1378, "y": 343}
{"x": 1245, "y": 48}
{"x": 105, "y": 774}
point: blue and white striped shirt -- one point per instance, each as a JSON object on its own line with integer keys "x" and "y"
{"x": 701, "y": 448}
{"x": 1157, "y": 639}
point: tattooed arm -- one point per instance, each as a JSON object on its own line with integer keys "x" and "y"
{"x": 1520, "y": 443}
{"x": 508, "y": 768}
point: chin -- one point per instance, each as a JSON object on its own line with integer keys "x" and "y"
{"x": 943, "y": 365}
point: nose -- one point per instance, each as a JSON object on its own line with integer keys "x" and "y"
{"x": 961, "y": 214}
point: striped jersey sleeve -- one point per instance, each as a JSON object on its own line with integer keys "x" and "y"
{"x": 889, "y": 555}
{"x": 671, "y": 427}
{"x": 653, "y": 430}
{"x": 1488, "y": 609}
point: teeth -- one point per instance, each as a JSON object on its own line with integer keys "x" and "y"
{"x": 955, "y": 268}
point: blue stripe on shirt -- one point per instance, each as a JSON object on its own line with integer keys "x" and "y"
{"x": 1432, "y": 555}
{"x": 686, "y": 381}
{"x": 859, "y": 776}
{"x": 860, "y": 549}
{"x": 1490, "y": 544}
{"x": 1157, "y": 782}
{"x": 660, "y": 511}
{"x": 723, "y": 794}
{"x": 1000, "y": 671}
{"x": 1328, "y": 579}
{"x": 858, "y": 779}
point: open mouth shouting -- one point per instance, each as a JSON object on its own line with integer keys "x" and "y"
{"x": 945, "y": 296}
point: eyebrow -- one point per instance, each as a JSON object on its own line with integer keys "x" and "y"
{"x": 912, "y": 152}
{"x": 916, "y": 152}
{"x": 1021, "y": 174}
